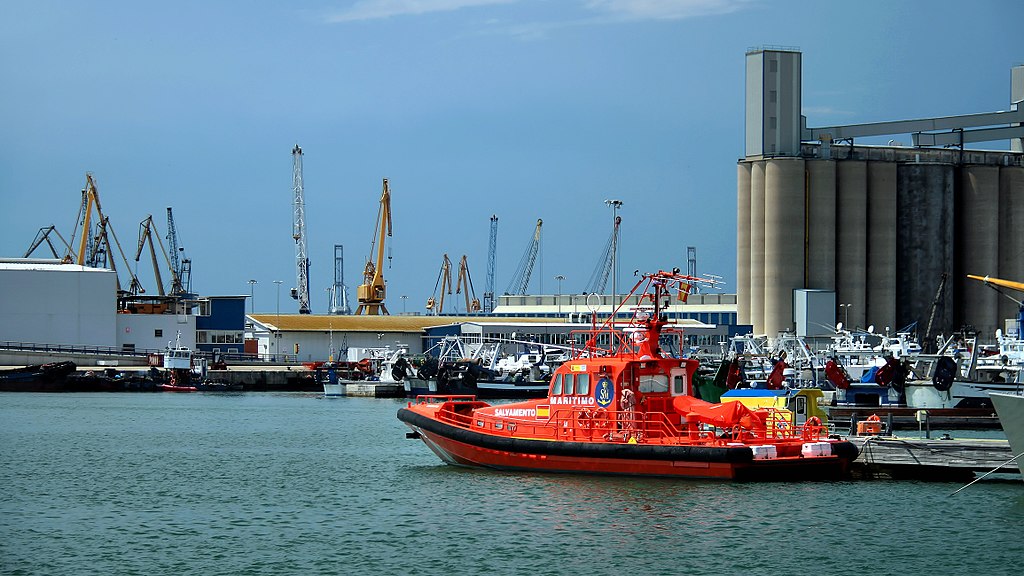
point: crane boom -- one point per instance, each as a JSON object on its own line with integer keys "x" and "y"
{"x": 44, "y": 236}
{"x": 299, "y": 233}
{"x": 465, "y": 281}
{"x": 181, "y": 267}
{"x": 599, "y": 278}
{"x": 521, "y": 277}
{"x": 372, "y": 291}
{"x": 444, "y": 282}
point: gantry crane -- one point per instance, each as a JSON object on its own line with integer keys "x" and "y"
{"x": 521, "y": 277}
{"x": 464, "y": 284}
{"x": 444, "y": 282}
{"x": 372, "y": 291}
{"x": 492, "y": 252}
{"x": 301, "y": 292}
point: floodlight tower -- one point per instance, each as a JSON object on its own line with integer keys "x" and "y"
{"x": 492, "y": 251}
{"x": 301, "y": 292}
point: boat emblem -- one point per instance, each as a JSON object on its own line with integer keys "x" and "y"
{"x": 604, "y": 392}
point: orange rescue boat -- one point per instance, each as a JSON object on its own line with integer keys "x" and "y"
{"x": 624, "y": 406}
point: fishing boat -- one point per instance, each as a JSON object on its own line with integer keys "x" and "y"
{"x": 622, "y": 406}
{"x": 178, "y": 362}
{"x": 1010, "y": 408}
{"x": 49, "y": 377}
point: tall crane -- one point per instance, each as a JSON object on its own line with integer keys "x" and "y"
{"x": 372, "y": 291}
{"x": 492, "y": 252}
{"x": 301, "y": 292}
{"x": 145, "y": 235}
{"x": 599, "y": 277}
{"x": 521, "y": 277}
{"x": 180, "y": 266}
{"x": 339, "y": 292}
{"x": 444, "y": 282}
{"x": 93, "y": 249}
{"x": 464, "y": 284}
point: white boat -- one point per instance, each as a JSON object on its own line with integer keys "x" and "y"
{"x": 1010, "y": 408}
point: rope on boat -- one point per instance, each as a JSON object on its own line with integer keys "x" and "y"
{"x": 982, "y": 477}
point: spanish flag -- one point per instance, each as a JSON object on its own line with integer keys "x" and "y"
{"x": 684, "y": 292}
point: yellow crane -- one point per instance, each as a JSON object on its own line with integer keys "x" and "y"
{"x": 98, "y": 253}
{"x": 372, "y": 291}
{"x": 464, "y": 281}
{"x": 444, "y": 282}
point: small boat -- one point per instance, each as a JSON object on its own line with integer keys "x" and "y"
{"x": 37, "y": 378}
{"x": 1010, "y": 408}
{"x": 178, "y": 362}
{"x": 622, "y": 406}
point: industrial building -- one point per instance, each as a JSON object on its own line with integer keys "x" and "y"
{"x": 891, "y": 231}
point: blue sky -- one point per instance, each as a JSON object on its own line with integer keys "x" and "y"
{"x": 525, "y": 109}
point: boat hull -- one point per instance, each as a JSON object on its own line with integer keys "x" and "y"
{"x": 465, "y": 447}
{"x": 335, "y": 390}
{"x": 1010, "y": 408}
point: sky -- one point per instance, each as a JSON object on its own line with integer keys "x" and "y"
{"x": 523, "y": 109}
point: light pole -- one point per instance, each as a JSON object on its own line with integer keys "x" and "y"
{"x": 559, "y": 296}
{"x": 846, "y": 320}
{"x": 615, "y": 204}
{"x": 404, "y": 298}
{"x": 277, "y": 324}
{"x": 252, "y": 296}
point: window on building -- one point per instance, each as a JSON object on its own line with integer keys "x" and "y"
{"x": 158, "y": 333}
{"x": 772, "y": 95}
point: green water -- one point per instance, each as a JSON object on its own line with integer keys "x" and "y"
{"x": 298, "y": 484}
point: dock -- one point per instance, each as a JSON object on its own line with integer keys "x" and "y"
{"x": 946, "y": 459}
{"x": 902, "y": 418}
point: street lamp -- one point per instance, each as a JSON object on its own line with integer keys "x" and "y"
{"x": 559, "y": 296}
{"x": 846, "y": 321}
{"x": 404, "y": 298}
{"x": 615, "y": 204}
{"x": 252, "y": 296}
{"x": 277, "y": 332}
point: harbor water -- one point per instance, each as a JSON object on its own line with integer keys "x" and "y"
{"x": 279, "y": 483}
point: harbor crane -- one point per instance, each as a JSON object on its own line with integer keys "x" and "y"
{"x": 521, "y": 277}
{"x": 44, "y": 236}
{"x": 372, "y": 291}
{"x": 492, "y": 252}
{"x": 599, "y": 278}
{"x": 146, "y": 235}
{"x": 301, "y": 291}
{"x": 93, "y": 249}
{"x": 180, "y": 266}
{"x": 444, "y": 282}
{"x": 464, "y": 284}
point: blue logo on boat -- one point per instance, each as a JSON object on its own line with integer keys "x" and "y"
{"x": 604, "y": 392}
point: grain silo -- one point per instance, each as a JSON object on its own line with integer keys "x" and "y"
{"x": 892, "y": 230}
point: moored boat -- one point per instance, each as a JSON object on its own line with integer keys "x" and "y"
{"x": 620, "y": 405}
{"x": 1010, "y": 408}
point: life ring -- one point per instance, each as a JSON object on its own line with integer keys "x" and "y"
{"x": 812, "y": 428}
{"x": 600, "y": 419}
{"x": 585, "y": 418}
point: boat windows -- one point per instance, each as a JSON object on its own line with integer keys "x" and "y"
{"x": 583, "y": 384}
{"x": 679, "y": 384}
{"x": 557, "y": 388}
{"x": 653, "y": 383}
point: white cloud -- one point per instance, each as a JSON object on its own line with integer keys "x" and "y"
{"x": 378, "y": 9}
{"x": 663, "y": 9}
